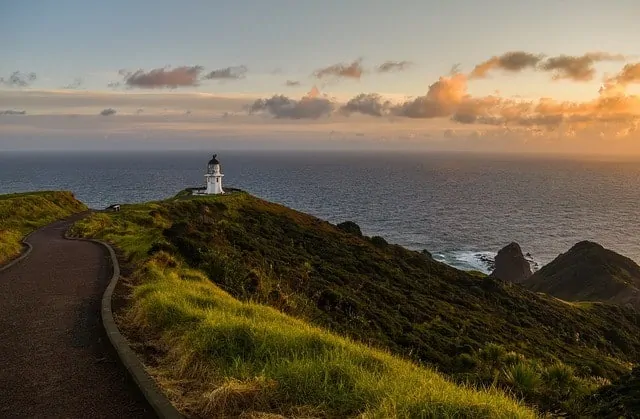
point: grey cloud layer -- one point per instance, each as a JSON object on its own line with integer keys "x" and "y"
{"x": 163, "y": 77}
{"x": 352, "y": 71}
{"x": 393, "y": 66}
{"x": 173, "y": 78}
{"x": 228, "y": 73}
{"x": 18, "y": 79}
{"x": 108, "y": 112}
{"x": 577, "y": 68}
{"x": 569, "y": 67}
{"x": 75, "y": 84}
{"x": 311, "y": 106}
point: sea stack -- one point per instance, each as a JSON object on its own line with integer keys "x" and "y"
{"x": 511, "y": 265}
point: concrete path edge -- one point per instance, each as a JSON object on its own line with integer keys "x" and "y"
{"x": 158, "y": 401}
{"x": 26, "y": 251}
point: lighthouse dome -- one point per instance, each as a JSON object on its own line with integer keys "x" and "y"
{"x": 214, "y": 160}
{"x": 214, "y": 165}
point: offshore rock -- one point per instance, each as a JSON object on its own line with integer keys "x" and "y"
{"x": 511, "y": 265}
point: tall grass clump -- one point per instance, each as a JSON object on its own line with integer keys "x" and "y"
{"x": 20, "y": 214}
{"x": 248, "y": 357}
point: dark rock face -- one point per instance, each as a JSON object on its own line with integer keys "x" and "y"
{"x": 511, "y": 265}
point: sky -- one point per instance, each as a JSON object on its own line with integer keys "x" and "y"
{"x": 496, "y": 75}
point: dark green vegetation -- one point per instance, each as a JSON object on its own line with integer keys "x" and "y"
{"x": 589, "y": 272}
{"x": 480, "y": 330}
{"x": 619, "y": 400}
{"x": 217, "y": 357}
{"x": 20, "y": 214}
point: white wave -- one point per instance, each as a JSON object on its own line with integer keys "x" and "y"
{"x": 476, "y": 260}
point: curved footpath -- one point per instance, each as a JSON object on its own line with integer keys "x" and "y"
{"x": 55, "y": 358}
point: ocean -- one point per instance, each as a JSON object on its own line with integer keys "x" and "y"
{"x": 461, "y": 207}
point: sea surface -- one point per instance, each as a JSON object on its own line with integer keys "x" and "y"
{"x": 462, "y": 208}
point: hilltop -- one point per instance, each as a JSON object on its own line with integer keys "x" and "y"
{"x": 589, "y": 272}
{"x": 22, "y": 213}
{"x": 479, "y": 330}
{"x": 219, "y": 356}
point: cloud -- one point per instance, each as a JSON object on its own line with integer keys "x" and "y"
{"x": 12, "y": 112}
{"x": 228, "y": 73}
{"x": 75, "y": 84}
{"x": 448, "y": 98}
{"x": 513, "y": 61}
{"x": 292, "y": 83}
{"x": 577, "y": 68}
{"x": 442, "y": 99}
{"x": 450, "y": 133}
{"x": 108, "y": 112}
{"x": 351, "y": 71}
{"x": 86, "y": 102}
{"x": 19, "y": 79}
{"x": 630, "y": 73}
{"x": 368, "y": 104}
{"x": 311, "y": 106}
{"x": 393, "y": 66}
{"x": 158, "y": 78}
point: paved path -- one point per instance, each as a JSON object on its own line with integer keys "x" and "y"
{"x": 55, "y": 359}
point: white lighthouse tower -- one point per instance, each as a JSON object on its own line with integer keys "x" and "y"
{"x": 213, "y": 177}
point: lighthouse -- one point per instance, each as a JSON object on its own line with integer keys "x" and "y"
{"x": 214, "y": 177}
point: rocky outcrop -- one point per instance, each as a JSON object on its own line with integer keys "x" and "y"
{"x": 511, "y": 265}
{"x": 589, "y": 272}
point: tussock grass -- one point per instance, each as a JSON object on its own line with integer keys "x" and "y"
{"x": 216, "y": 356}
{"x": 20, "y": 214}
{"x": 249, "y": 357}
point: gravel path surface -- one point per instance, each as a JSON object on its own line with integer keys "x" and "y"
{"x": 55, "y": 359}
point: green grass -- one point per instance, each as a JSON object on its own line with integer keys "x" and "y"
{"x": 20, "y": 214}
{"x": 216, "y": 356}
{"x": 248, "y": 357}
{"x": 471, "y": 327}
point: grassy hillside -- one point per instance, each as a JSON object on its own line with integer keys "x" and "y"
{"x": 216, "y": 356}
{"x": 20, "y": 214}
{"x": 589, "y": 272}
{"x": 479, "y": 330}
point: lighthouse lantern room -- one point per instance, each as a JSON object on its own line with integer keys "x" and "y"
{"x": 214, "y": 177}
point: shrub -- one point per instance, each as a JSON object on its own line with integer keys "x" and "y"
{"x": 512, "y": 358}
{"x": 350, "y": 227}
{"x": 466, "y": 362}
{"x": 493, "y": 354}
{"x": 559, "y": 377}
{"x": 523, "y": 377}
{"x": 379, "y": 241}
